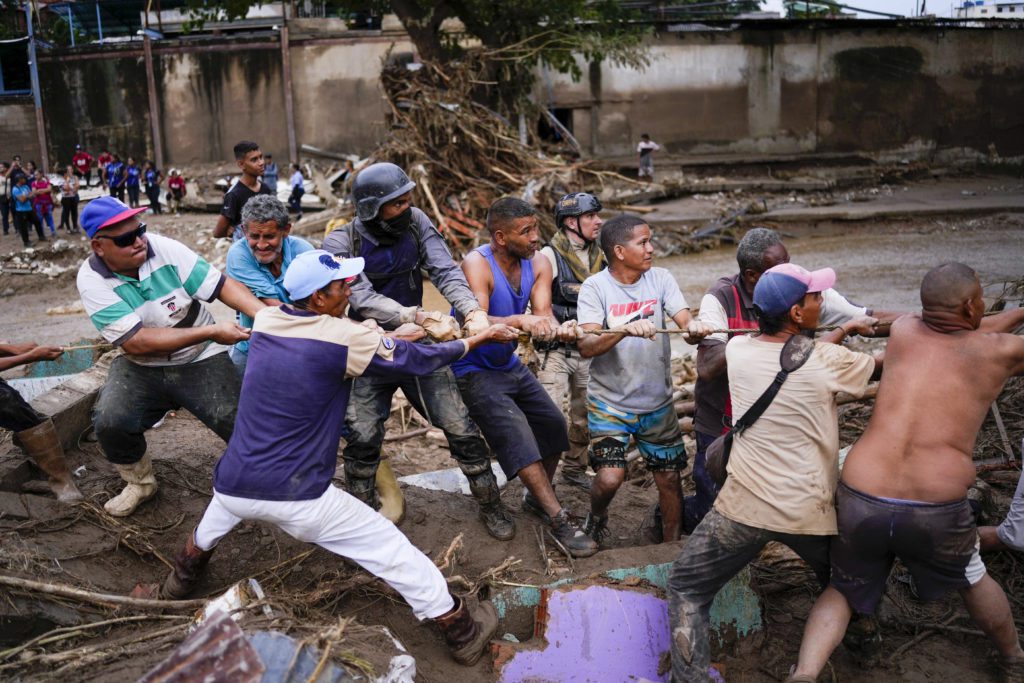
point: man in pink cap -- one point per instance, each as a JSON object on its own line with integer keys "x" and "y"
{"x": 144, "y": 293}
{"x": 783, "y": 469}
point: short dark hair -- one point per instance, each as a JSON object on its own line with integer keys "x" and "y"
{"x": 771, "y": 324}
{"x": 507, "y": 209}
{"x": 947, "y": 285}
{"x": 618, "y": 230}
{"x": 645, "y": 135}
{"x": 244, "y": 147}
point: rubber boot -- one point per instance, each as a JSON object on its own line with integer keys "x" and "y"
{"x": 484, "y": 487}
{"x": 189, "y": 566}
{"x": 467, "y": 629}
{"x": 571, "y": 535}
{"x": 360, "y": 486}
{"x": 141, "y": 486}
{"x": 392, "y": 503}
{"x": 42, "y": 444}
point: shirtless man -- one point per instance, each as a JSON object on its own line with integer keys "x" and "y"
{"x": 904, "y": 485}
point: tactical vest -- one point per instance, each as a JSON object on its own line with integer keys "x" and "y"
{"x": 565, "y": 290}
{"x": 394, "y": 269}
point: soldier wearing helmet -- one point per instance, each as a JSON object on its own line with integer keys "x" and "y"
{"x": 574, "y": 255}
{"x": 399, "y": 243}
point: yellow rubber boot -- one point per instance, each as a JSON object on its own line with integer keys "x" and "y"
{"x": 392, "y": 503}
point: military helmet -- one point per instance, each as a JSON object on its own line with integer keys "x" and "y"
{"x": 377, "y": 185}
{"x": 575, "y": 204}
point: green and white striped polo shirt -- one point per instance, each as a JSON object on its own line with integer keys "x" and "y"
{"x": 172, "y": 282}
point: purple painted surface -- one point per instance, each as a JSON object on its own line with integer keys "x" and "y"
{"x": 597, "y": 634}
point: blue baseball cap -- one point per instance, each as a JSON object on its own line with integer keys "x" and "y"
{"x": 313, "y": 270}
{"x": 105, "y": 212}
{"x": 785, "y": 285}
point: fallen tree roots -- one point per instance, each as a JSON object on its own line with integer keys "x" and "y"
{"x": 101, "y": 599}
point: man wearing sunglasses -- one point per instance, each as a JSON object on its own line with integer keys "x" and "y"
{"x": 144, "y": 293}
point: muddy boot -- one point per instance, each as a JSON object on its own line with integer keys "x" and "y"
{"x": 141, "y": 486}
{"x": 42, "y": 444}
{"x": 596, "y": 527}
{"x": 571, "y": 535}
{"x": 576, "y": 476}
{"x": 864, "y": 640}
{"x": 484, "y": 488}
{"x": 363, "y": 490}
{"x": 392, "y": 502}
{"x": 189, "y": 566}
{"x": 468, "y": 629}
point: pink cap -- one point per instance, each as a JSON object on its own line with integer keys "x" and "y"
{"x": 816, "y": 280}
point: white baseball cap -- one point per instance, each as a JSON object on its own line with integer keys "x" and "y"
{"x": 314, "y": 270}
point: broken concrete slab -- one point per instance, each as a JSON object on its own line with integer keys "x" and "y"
{"x": 70, "y": 404}
{"x": 450, "y": 480}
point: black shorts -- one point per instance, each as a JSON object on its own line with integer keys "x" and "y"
{"x": 938, "y": 543}
{"x": 15, "y": 413}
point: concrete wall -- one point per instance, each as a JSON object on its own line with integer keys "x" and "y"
{"x": 18, "y": 129}
{"x": 845, "y": 87}
{"x": 765, "y": 87}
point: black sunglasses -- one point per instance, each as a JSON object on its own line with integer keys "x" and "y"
{"x": 127, "y": 239}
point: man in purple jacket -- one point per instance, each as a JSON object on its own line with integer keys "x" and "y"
{"x": 282, "y": 455}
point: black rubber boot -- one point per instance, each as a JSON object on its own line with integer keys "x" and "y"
{"x": 361, "y": 486}
{"x": 484, "y": 488}
{"x": 467, "y": 629}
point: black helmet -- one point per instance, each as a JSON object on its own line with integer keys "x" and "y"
{"x": 377, "y": 185}
{"x": 575, "y": 204}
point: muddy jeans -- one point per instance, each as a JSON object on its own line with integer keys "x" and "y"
{"x": 136, "y": 397}
{"x": 564, "y": 374}
{"x": 718, "y": 549}
{"x": 434, "y": 396}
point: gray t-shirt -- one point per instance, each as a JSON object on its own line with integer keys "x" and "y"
{"x": 635, "y": 375}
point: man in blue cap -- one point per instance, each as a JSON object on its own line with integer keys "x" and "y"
{"x": 280, "y": 461}
{"x": 783, "y": 469}
{"x": 144, "y": 293}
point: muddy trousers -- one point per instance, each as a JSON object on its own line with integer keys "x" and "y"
{"x": 341, "y": 524}
{"x": 718, "y": 549}
{"x": 564, "y": 375}
{"x": 135, "y": 397}
{"x": 434, "y": 396}
{"x": 15, "y": 413}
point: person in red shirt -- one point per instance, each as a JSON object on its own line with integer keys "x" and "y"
{"x": 82, "y": 161}
{"x": 42, "y": 200}
{"x": 176, "y": 190}
{"x": 102, "y": 160}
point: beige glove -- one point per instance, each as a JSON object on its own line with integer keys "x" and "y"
{"x": 440, "y": 327}
{"x": 476, "y": 323}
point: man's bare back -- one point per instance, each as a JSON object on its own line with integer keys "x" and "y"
{"x": 941, "y": 375}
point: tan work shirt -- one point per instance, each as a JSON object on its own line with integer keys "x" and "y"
{"x": 783, "y": 470}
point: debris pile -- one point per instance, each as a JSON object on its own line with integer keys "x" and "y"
{"x": 463, "y": 155}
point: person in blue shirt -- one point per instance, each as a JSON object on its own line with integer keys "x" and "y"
{"x": 151, "y": 176}
{"x": 24, "y": 212}
{"x": 260, "y": 260}
{"x": 132, "y": 176}
{"x": 282, "y": 455}
{"x": 116, "y": 178}
{"x": 270, "y": 173}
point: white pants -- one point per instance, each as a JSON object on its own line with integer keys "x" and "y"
{"x": 343, "y": 525}
{"x": 1011, "y": 531}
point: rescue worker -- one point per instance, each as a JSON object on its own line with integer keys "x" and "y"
{"x": 574, "y": 255}
{"x": 398, "y": 243}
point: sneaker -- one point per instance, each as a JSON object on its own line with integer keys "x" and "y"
{"x": 570, "y": 535}
{"x": 596, "y": 527}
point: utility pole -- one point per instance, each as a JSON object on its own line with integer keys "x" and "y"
{"x": 286, "y": 81}
{"x": 154, "y": 107}
{"x": 33, "y": 67}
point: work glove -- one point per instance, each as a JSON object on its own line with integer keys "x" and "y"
{"x": 440, "y": 327}
{"x": 476, "y": 323}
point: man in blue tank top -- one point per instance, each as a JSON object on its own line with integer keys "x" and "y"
{"x": 522, "y": 425}
{"x": 399, "y": 242}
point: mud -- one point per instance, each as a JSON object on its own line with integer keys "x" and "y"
{"x": 879, "y": 265}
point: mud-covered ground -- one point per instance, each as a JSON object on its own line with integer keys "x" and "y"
{"x": 879, "y": 265}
